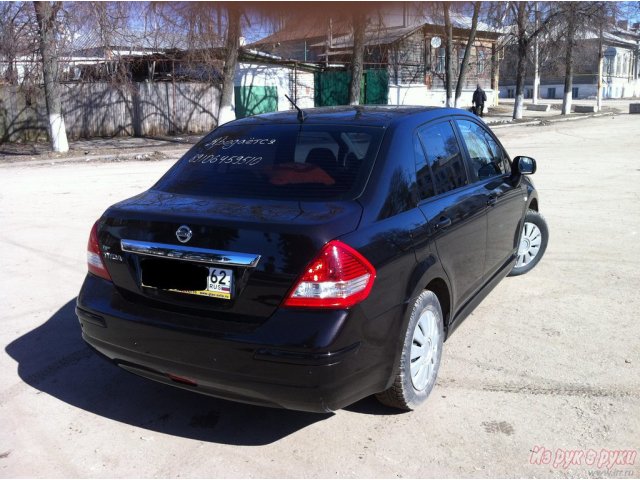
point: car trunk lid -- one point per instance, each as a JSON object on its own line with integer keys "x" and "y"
{"x": 261, "y": 246}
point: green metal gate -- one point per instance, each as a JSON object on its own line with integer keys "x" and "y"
{"x": 253, "y": 100}
{"x": 332, "y": 88}
{"x": 376, "y": 87}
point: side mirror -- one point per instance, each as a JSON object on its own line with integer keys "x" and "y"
{"x": 524, "y": 165}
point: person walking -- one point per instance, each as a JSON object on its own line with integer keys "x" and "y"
{"x": 479, "y": 97}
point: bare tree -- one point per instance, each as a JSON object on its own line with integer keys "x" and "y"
{"x": 525, "y": 33}
{"x": 17, "y": 38}
{"x": 196, "y": 29}
{"x": 604, "y": 18}
{"x": 448, "y": 38}
{"x": 570, "y": 10}
{"x": 536, "y": 58}
{"x": 359, "y": 21}
{"x": 226, "y": 112}
{"x": 46, "y": 15}
{"x": 467, "y": 51}
{"x": 576, "y": 19}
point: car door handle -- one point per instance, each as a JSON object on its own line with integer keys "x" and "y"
{"x": 444, "y": 222}
{"x": 493, "y": 199}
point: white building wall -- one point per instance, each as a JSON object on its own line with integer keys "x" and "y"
{"x": 260, "y": 75}
{"x": 614, "y": 88}
{"x": 422, "y": 95}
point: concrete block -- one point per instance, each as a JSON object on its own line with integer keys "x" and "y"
{"x": 540, "y": 107}
{"x": 634, "y": 108}
{"x": 584, "y": 109}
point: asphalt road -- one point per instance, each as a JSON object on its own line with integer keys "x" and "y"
{"x": 549, "y": 362}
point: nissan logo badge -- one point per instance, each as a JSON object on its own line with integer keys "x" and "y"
{"x": 184, "y": 234}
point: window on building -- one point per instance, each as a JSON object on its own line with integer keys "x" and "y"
{"x": 480, "y": 60}
{"x": 461, "y": 51}
{"x": 551, "y": 92}
{"x": 440, "y": 60}
{"x": 574, "y": 92}
{"x": 625, "y": 68}
{"x": 608, "y": 66}
{"x": 427, "y": 55}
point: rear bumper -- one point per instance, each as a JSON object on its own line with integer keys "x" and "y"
{"x": 301, "y": 360}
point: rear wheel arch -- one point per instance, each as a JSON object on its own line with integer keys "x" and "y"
{"x": 429, "y": 275}
{"x": 415, "y": 375}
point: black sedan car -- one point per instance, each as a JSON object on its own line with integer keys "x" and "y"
{"x": 309, "y": 260}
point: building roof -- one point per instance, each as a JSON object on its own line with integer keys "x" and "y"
{"x": 343, "y": 36}
{"x": 372, "y": 37}
{"x": 304, "y": 31}
{"x": 132, "y": 42}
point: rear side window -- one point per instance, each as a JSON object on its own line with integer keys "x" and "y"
{"x": 444, "y": 157}
{"x": 485, "y": 161}
{"x": 423, "y": 172}
{"x": 302, "y": 162}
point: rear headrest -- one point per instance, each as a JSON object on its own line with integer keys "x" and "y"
{"x": 323, "y": 158}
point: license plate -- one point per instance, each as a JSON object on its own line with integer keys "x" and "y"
{"x": 219, "y": 284}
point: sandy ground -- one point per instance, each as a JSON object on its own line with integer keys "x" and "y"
{"x": 549, "y": 362}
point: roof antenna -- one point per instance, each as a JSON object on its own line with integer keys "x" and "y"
{"x": 301, "y": 115}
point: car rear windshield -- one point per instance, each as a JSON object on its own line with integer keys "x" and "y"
{"x": 284, "y": 161}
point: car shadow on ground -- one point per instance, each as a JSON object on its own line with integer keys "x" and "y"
{"x": 54, "y": 359}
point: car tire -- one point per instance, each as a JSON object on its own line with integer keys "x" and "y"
{"x": 533, "y": 243}
{"x": 422, "y": 349}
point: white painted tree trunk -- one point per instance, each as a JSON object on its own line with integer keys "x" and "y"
{"x": 600, "y": 72}
{"x": 566, "y": 103}
{"x": 46, "y": 16}
{"x": 599, "y": 92}
{"x": 227, "y": 114}
{"x": 536, "y": 60}
{"x": 58, "y": 133}
{"x": 226, "y": 110}
{"x": 518, "y": 107}
{"x": 536, "y": 72}
{"x": 568, "y": 76}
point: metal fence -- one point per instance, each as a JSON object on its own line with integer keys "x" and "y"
{"x": 104, "y": 109}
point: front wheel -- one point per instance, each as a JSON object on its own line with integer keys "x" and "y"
{"x": 533, "y": 243}
{"x": 421, "y": 354}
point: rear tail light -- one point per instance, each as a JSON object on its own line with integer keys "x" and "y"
{"x": 94, "y": 255}
{"x": 339, "y": 277}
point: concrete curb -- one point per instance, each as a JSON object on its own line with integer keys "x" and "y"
{"x": 540, "y": 121}
{"x": 112, "y": 157}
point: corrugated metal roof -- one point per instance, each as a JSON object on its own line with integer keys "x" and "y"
{"x": 130, "y": 41}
